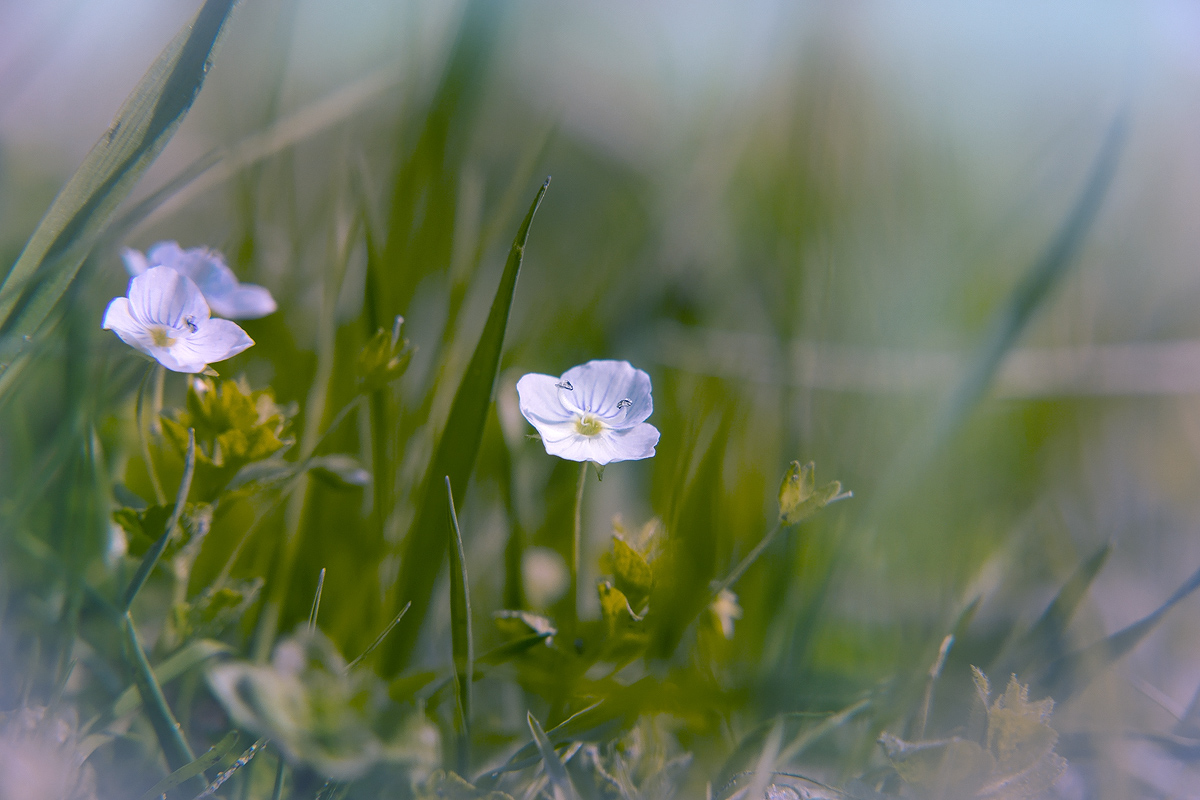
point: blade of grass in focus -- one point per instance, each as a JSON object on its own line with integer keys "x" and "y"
{"x": 425, "y": 544}
{"x": 460, "y": 634}
{"x": 52, "y": 257}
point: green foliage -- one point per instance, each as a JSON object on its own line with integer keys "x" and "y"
{"x": 740, "y": 640}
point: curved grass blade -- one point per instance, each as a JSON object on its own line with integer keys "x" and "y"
{"x": 463, "y": 644}
{"x": 241, "y": 761}
{"x": 1069, "y": 675}
{"x": 555, "y": 770}
{"x": 1011, "y": 320}
{"x": 1046, "y": 639}
{"x": 52, "y": 257}
{"x": 197, "y": 767}
{"x": 425, "y": 544}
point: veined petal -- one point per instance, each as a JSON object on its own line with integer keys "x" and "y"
{"x": 538, "y": 399}
{"x": 247, "y": 301}
{"x": 555, "y": 431}
{"x": 135, "y": 262}
{"x": 162, "y": 296}
{"x": 633, "y": 444}
{"x": 602, "y": 385}
{"x": 133, "y": 333}
{"x": 226, "y": 296}
{"x": 213, "y": 340}
{"x": 178, "y": 358}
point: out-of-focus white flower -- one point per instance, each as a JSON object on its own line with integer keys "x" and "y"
{"x": 41, "y": 758}
{"x": 165, "y": 317}
{"x": 725, "y": 611}
{"x": 594, "y": 412}
{"x": 226, "y": 296}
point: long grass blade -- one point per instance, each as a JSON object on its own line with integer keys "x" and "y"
{"x": 1046, "y": 273}
{"x": 52, "y": 257}
{"x": 454, "y": 458}
{"x": 1046, "y": 639}
{"x": 462, "y": 641}
{"x": 1072, "y": 673}
{"x": 197, "y": 767}
{"x": 556, "y": 771}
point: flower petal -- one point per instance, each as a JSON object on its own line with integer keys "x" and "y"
{"x": 162, "y": 296}
{"x": 118, "y": 320}
{"x": 214, "y": 340}
{"x": 207, "y": 268}
{"x": 601, "y": 385}
{"x": 538, "y": 399}
{"x": 633, "y": 444}
{"x": 247, "y": 301}
{"x": 135, "y": 262}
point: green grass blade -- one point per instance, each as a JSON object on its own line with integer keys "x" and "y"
{"x": 1072, "y": 673}
{"x": 1046, "y": 273}
{"x": 206, "y": 761}
{"x": 463, "y": 643}
{"x": 1046, "y": 639}
{"x": 556, "y": 771}
{"x": 454, "y": 457}
{"x": 144, "y": 125}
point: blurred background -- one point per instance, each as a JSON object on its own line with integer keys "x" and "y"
{"x": 806, "y": 221}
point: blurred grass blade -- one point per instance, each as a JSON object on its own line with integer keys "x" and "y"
{"x": 1046, "y": 639}
{"x": 142, "y": 127}
{"x": 1069, "y": 675}
{"x": 420, "y": 229}
{"x": 193, "y": 655}
{"x": 764, "y": 771}
{"x": 206, "y": 761}
{"x": 379, "y": 639}
{"x": 1010, "y": 321}
{"x": 241, "y": 761}
{"x": 153, "y": 554}
{"x": 555, "y": 770}
{"x": 425, "y": 544}
{"x": 463, "y": 644}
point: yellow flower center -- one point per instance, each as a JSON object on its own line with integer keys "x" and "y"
{"x": 587, "y": 425}
{"x": 160, "y": 338}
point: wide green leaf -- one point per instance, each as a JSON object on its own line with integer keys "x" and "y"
{"x": 425, "y": 545}
{"x": 56, "y": 250}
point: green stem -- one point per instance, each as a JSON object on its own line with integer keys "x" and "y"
{"x": 144, "y": 439}
{"x": 745, "y": 563}
{"x": 577, "y": 543}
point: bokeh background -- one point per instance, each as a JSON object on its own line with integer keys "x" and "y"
{"x": 802, "y": 219}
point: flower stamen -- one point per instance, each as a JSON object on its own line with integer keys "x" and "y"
{"x": 160, "y": 338}
{"x": 588, "y": 425}
{"x": 565, "y": 385}
{"x": 626, "y": 403}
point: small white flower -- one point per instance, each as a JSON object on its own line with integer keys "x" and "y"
{"x": 225, "y": 295}
{"x": 165, "y": 317}
{"x": 594, "y": 412}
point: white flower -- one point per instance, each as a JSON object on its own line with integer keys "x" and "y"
{"x": 594, "y": 412}
{"x": 207, "y": 269}
{"x": 165, "y": 317}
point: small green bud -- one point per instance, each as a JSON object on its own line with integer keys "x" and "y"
{"x": 800, "y": 497}
{"x": 384, "y": 358}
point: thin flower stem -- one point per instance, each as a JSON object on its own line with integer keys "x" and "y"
{"x": 745, "y": 563}
{"x": 577, "y": 542}
{"x": 143, "y": 437}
